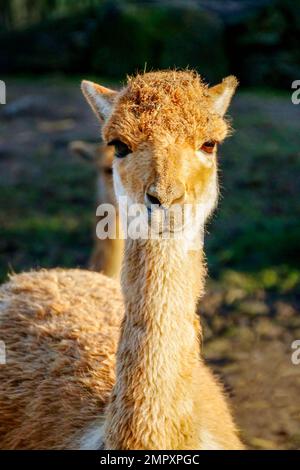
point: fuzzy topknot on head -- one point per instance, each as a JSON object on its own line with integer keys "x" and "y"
{"x": 161, "y": 90}
{"x": 166, "y": 102}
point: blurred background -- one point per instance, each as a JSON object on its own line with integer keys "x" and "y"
{"x": 250, "y": 313}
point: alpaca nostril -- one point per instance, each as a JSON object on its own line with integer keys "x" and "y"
{"x": 152, "y": 199}
{"x": 165, "y": 196}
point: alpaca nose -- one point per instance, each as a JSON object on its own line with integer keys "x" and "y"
{"x": 150, "y": 199}
{"x": 174, "y": 194}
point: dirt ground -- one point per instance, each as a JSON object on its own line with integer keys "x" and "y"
{"x": 250, "y": 313}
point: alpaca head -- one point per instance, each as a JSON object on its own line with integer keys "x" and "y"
{"x": 165, "y": 128}
{"x": 101, "y": 156}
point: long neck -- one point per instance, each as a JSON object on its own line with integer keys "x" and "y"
{"x": 158, "y": 356}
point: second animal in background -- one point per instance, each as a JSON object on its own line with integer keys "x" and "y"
{"x": 107, "y": 254}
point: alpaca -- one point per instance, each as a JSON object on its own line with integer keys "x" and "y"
{"x": 107, "y": 254}
{"x": 90, "y": 367}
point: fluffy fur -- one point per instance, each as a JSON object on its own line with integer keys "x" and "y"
{"x": 169, "y": 103}
{"x": 61, "y": 330}
{"x": 61, "y": 327}
{"x": 165, "y": 397}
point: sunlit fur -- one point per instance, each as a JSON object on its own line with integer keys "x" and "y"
{"x": 107, "y": 254}
{"x": 61, "y": 329}
{"x": 164, "y": 396}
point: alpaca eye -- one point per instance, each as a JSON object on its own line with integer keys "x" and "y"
{"x": 121, "y": 149}
{"x": 209, "y": 146}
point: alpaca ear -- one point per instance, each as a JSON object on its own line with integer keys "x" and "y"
{"x": 99, "y": 98}
{"x": 222, "y": 93}
{"x": 85, "y": 150}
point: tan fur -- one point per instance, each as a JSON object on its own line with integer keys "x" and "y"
{"x": 107, "y": 254}
{"x": 164, "y": 396}
{"x": 60, "y": 329}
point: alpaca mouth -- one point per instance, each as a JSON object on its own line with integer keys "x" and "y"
{"x": 175, "y": 231}
{"x": 161, "y": 223}
{"x": 160, "y": 228}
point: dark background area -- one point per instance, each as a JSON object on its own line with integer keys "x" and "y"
{"x": 250, "y": 313}
{"x": 258, "y": 40}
